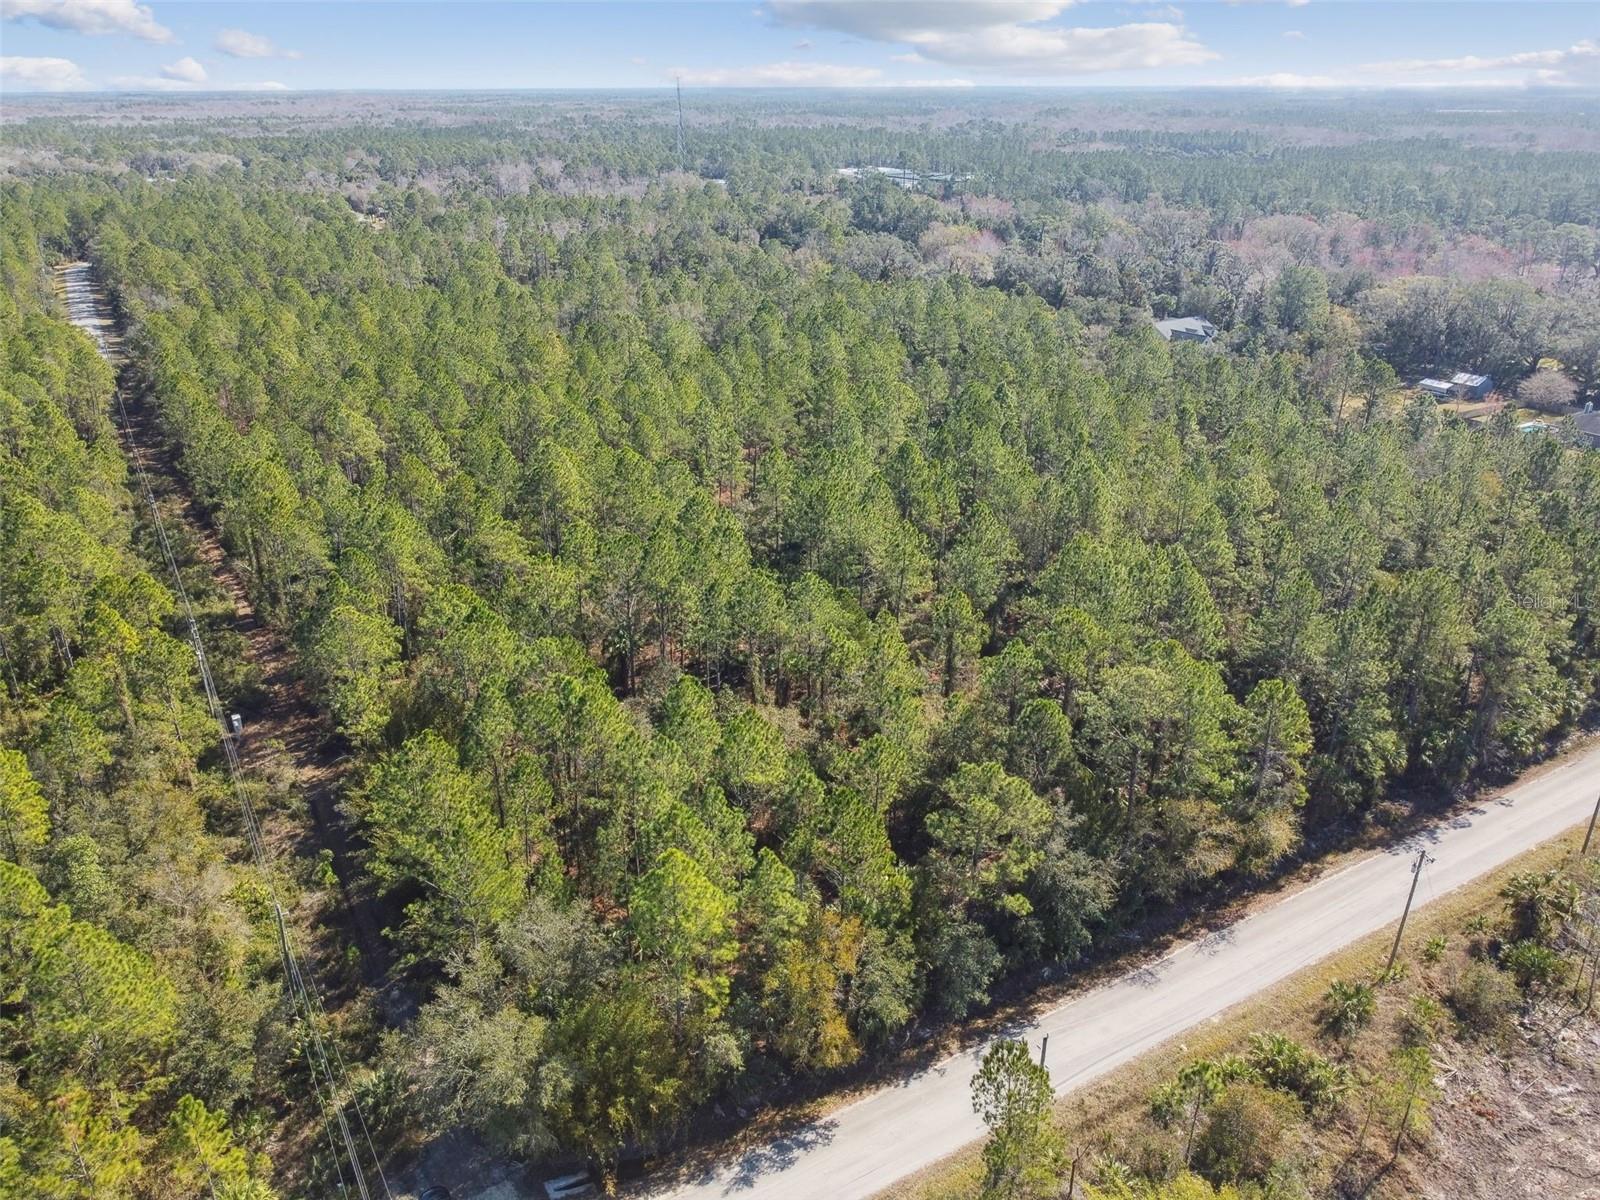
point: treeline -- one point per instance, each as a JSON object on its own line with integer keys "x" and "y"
{"x": 1065, "y": 202}
{"x": 1230, "y": 156}
{"x": 746, "y": 657}
{"x": 1307, "y": 287}
{"x": 140, "y": 1052}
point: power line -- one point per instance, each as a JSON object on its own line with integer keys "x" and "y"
{"x": 310, "y": 1008}
{"x": 307, "y": 999}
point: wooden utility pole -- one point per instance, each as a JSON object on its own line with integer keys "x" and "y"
{"x": 1043, "y": 1046}
{"x": 1588, "y": 837}
{"x": 1416, "y": 874}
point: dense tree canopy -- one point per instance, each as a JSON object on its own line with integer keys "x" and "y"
{"x": 752, "y": 626}
{"x": 132, "y": 953}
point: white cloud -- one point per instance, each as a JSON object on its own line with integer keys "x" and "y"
{"x": 1003, "y": 36}
{"x": 241, "y": 43}
{"x": 897, "y": 21}
{"x": 40, "y": 74}
{"x": 779, "y": 74}
{"x": 1027, "y": 51}
{"x": 802, "y": 74}
{"x": 185, "y": 75}
{"x": 168, "y": 83}
{"x": 90, "y": 16}
{"x": 185, "y": 70}
{"x": 803, "y": 44}
{"x": 1294, "y": 35}
{"x": 150, "y": 83}
{"x": 1288, "y": 79}
{"x": 1576, "y": 64}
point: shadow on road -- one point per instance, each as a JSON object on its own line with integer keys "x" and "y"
{"x": 777, "y": 1155}
{"x": 1218, "y": 939}
{"x": 1146, "y": 976}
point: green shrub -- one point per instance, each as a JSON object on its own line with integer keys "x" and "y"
{"x": 1483, "y": 999}
{"x": 1422, "y": 1021}
{"x": 1114, "y": 1177}
{"x": 323, "y": 872}
{"x": 1175, "y": 1099}
{"x": 1479, "y": 934}
{"x": 1399, "y": 973}
{"x": 1433, "y": 950}
{"x": 1348, "y": 1008}
{"x": 1407, "y": 1090}
{"x": 1168, "y": 1103}
{"x": 1536, "y": 967}
{"x": 1285, "y": 1064}
{"x": 1539, "y": 902}
{"x": 1245, "y": 1134}
{"x": 1154, "y": 1157}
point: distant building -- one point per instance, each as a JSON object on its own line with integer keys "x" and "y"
{"x": 1587, "y": 424}
{"x": 1186, "y": 329}
{"x": 1460, "y": 386}
{"x": 905, "y": 177}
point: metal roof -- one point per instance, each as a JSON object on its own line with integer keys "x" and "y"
{"x": 1197, "y": 325}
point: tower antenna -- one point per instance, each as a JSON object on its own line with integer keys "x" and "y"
{"x": 679, "y": 83}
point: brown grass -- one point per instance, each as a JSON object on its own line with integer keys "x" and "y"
{"x": 1111, "y": 1115}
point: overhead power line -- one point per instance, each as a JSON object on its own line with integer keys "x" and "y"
{"x": 329, "y": 1077}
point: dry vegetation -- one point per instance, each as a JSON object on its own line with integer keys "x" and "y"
{"x": 1517, "y": 1100}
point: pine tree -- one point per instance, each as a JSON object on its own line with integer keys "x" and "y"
{"x": 1024, "y": 1157}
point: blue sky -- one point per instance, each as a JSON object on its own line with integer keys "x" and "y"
{"x": 296, "y": 44}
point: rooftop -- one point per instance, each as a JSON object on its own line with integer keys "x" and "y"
{"x": 1197, "y": 327}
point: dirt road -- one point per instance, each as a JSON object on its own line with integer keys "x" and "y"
{"x": 284, "y": 733}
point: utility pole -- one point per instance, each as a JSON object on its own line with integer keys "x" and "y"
{"x": 1588, "y": 837}
{"x": 1416, "y": 874}
{"x": 679, "y": 84}
{"x": 1043, "y": 1046}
